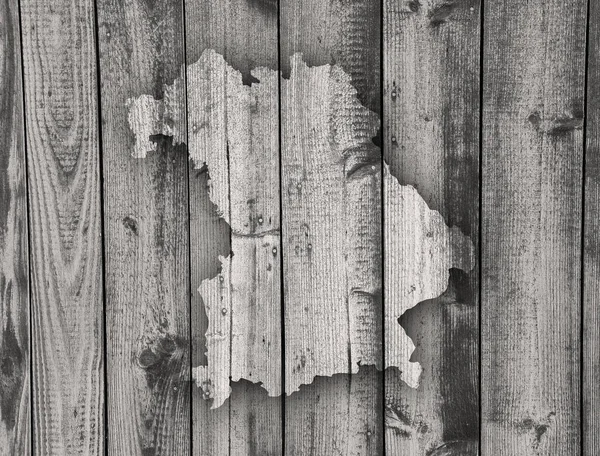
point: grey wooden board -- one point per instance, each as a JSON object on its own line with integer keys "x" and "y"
{"x": 245, "y": 34}
{"x": 146, "y": 236}
{"x": 591, "y": 245}
{"x": 431, "y": 142}
{"x": 61, "y": 106}
{"x": 533, "y": 105}
{"x": 15, "y": 437}
{"x": 164, "y": 233}
{"x": 335, "y": 414}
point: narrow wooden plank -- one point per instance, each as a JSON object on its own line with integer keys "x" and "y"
{"x": 15, "y": 432}
{"x": 591, "y": 245}
{"x": 61, "y": 107}
{"x": 234, "y": 134}
{"x": 234, "y": 145}
{"x": 533, "y": 89}
{"x": 331, "y": 201}
{"x": 209, "y": 241}
{"x": 431, "y": 143}
{"x": 146, "y": 226}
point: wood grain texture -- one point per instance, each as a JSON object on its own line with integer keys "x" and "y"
{"x": 209, "y": 240}
{"x": 65, "y": 215}
{"x": 343, "y": 32}
{"x": 431, "y": 142}
{"x": 331, "y": 201}
{"x": 533, "y": 95}
{"x": 244, "y": 32}
{"x": 591, "y": 246}
{"x": 421, "y": 250}
{"x": 15, "y": 436}
{"x": 146, "y": 227}
{"x": 234, "y": 134}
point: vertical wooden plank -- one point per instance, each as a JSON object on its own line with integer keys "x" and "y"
{"x": 234, "y": 145}
{"x": 15, "y": 437}
{"x": 533, "y": 88}
{"x": 234, "y": 134}
{"x": 591, "y": 245}
{"x": 331, "y": 201}
{"x": 431, "y": 143}
{"x": 146, "y": 225}
{"x": 209, "y": 240}
{"x": 61, "y": 106}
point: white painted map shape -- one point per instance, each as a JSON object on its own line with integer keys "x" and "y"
{"x": 232, "y": 129}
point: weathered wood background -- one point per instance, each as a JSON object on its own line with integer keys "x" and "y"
{"x": 486, "y": 112}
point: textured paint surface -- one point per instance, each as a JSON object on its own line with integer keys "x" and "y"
{"x": 344, "y": 152}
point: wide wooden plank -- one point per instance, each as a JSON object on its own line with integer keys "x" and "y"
{"x": 591, "y": 245}
{"x": 331, "y": 227}
{"x": 431, "y": 143}
{"x": 233, "y": 118}
{"x": 61, "y": 107}
{"x": 15, "y": 435}
{"x": 146, "y": 225}
{"x": 533, "y": 98}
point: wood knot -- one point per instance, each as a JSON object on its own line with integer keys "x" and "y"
{"x": 265, "y": 6}
{"x": 557, "y": 126}
{"x": 414, "y": 6}
{"x": 164, "y": 360}
{"x": 130, "y": 225}
{"x": 147, "y": 358}
{"x": 440, "y": 14}
{"x": 564, "y": 125}
{"x": 534, "y": 119}
{"x": 536, "y": 427}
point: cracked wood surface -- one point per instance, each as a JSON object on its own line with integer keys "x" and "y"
{"x": 533, "y": 76}
{"x": 146, "y": 235}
